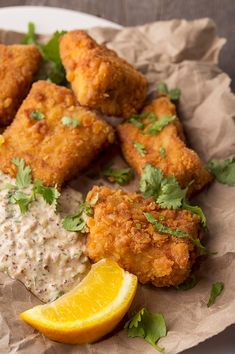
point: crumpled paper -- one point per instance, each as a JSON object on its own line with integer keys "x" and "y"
{"x": 185, "y": 55}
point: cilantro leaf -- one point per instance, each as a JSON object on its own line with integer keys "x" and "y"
{"x": 170, "y": 195}
{"x": 188, "y": 284}
{"x": 195, "y": 210}
{"x": 162, "y": 151}
{"x": 50, "y": 50}
{"x": 119, "y": 175}
{"x": 150, "y": 181}
{"x": 77, "y": 221}
{"x": 52, "y": 68}
{"x": 23, "y": 177}
{"x": 159, "y": 125}
{"x": 173, "y": 95}
{"x": 223, "y": 170}
{"x": 140, "y": 148}
{"x": 30, "y": 37}
{"x": 49, "y": 194}
{"x": 137, "y": 123}
{"x": 162, "y": 89}
{"x": 149, "y": 326}
{"x": 166, "y": 191}
{"x": 136, "y": 119}
{"x": 216, "y": 290}
{"x": 37, "y": 115}
{"x": 165, "y": 229}
{"x": 68, "y": 121}
{"x": 21, "y": 199}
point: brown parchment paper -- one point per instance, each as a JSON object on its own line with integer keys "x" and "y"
{"x": 183, "y": 54}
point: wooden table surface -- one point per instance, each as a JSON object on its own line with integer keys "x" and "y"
{"x": 135, "y": 12}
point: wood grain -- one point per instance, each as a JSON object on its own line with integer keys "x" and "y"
{"x": 135, "y": 12}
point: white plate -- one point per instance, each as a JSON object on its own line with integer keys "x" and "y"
{"x": 48, "y": 20}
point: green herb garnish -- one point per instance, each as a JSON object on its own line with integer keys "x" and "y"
{"x": 30, "y": 37}
{"x": 216, "y": 290}
{"x": 49, "y": 194}
{"x": 37, "y": 115}
{"x": 166, "y": 191}
{"x": 138, "y": 226}
{"x": 23, "y": 181}
{"x": 173, "y": 94}
{"x": 136, "y": 119}
{"x": 195, "y": 210}
{"x": 162, "y": 151}
{"x": 140, "y": 148}
{"x": 68, "y": 121}
{"x": 77, "y": 221}
{"x": 118, "y": 175}
{"x": 23, "y": 177}
{"x": 22, "y": 199}
{"x": 159, "y": 125}
{"x": 165, "y": 229}
{"x": 223, "y": 170}
{"x": 149, "y": 326}
{"x": 52, "y": 68}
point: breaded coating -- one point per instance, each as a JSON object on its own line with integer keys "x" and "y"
{"x": 100, "y": 78}
{"x": 54, "y": 135}
{"x": 18, "y": 65}
{"x": 166, "y": 149}
{"x": 119, "y": 230}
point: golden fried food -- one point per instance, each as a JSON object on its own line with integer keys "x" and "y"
{"x": 165, "y": 149}
{"x": 119, "y": 230}
{"x": 100, "y": 78}
{"x": 54, "y": 135}
{"x": 18, "y": 65}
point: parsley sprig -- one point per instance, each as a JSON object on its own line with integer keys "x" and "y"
{"x": 118, "y": 175}
{"x": 173, "y": 94}
{"x": 166, "y": 191}
{"x": 52, "y": 68}
{"x": 149, "y": 326}
{"x": 17, "y": 194}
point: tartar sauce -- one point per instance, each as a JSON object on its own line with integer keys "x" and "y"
{"x": 36, "y": 249}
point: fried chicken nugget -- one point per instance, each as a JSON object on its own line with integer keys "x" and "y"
{"x": 100, "y": 78}
{"x": 54, "y": 135}
{"x": 18, "y": 65}
{"x": 165, "y": 149}
{"x": 119, "y": 230}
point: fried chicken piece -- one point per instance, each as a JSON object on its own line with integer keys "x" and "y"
{"x": 54, "y": 135}
{"x": 179, "y": 160}
{"x": 18, "y": 65}
{"x": 100, "y": 78}
{"x": 119, "y": 230}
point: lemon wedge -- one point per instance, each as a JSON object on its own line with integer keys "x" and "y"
{"x": 89, "y": 311}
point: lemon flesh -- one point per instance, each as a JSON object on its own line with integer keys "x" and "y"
{"x": 89, "y": 311}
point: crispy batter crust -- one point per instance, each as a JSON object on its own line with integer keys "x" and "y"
{"x": 115, "y": 233}
{"x": 54, "y": 151}
{"x": 100, "y": 78}
{"x": 18, "y": 65}
{"x": 179, "y": 161}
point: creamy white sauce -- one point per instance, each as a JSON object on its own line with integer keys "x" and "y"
{"x": 36, "y": 249}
